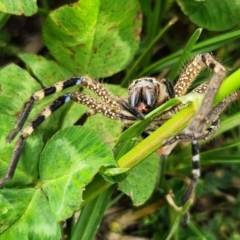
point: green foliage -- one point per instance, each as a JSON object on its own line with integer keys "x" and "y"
{"x": 25, "y": 208}
{"x": 105, "y": 35}
{"x": 22, "y": 7}
{"x": 211, "y": 14}
{"x": 139, "y": 179}
{"x": 64, "y": 169}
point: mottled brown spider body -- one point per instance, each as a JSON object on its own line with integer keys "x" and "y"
{"x": 145, "y": 94}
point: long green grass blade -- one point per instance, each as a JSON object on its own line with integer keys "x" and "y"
{"x": 91, "y": 216}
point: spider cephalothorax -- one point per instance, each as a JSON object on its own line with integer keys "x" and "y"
{"x": 145, "y": 94}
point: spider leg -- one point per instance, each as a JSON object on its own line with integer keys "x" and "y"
{"x": 189, "y": 193}
{"x": 13, "y": 163}
{"x": 47, "y": 111}
{"x": 113, "y": 112}
{"x": 212, "y": 116}
{"x": 82, "y": 119}
{"x": 195, "y": 176}
{"x": 109, "y": 98}
{"x": 116, "y": 112}
{"x": 198, "y": 123}
{"x": 189, "y": 74}
{"x": 205, "y": 114}
{"x": 170, "y": 143}
{"x": 38, "y": 96}
{"x": 86, "y": 81}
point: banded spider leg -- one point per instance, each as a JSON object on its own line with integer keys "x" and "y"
{"x": 110, "y": 106}
{"x": 197, "y": 129}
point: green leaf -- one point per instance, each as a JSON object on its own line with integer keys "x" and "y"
{"x": 15, "y": 82}
{"x": 12, "y": 79}
{"x": 213, "y": 15}
{"x": 26, "y": 171}
{"x": 134, "y": 68}
{"x": 229, "y": 123}
{"x": 141, "y": 181}
{"x": 68, "y": 163}
{"x": 185, "y": 55}
{"x": 27, "y": 209}
{"x": 91, "y": 216}
{"x": 146, "y": 147}
{"x": 11, "y": 207}
{"x": 94, "y": 37}
{"x": 20, "y": 7}
{"x": 3, "y": 20}
{"x": 229, "y": 85}
{"x": 221, "y": 155}
{"x": 201, "y": 47}
{"x": 16, "y": 85}
{"x": 177, "y": 220}
{"x": 114, "y": 174}
{"x": 46, "y": 71}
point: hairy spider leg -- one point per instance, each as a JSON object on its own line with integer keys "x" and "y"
{"x": 198, "y": 123}
{"x": 60, "y": 101}
{"x": 195, "y": 130}
{"x": 187, "y": 76}
{"x": 86, "y": 81}
{"x": 195, "y": 176}
{"x": 205, "y": 115}
{"x": 182, "y": 137}
{"x": 38, "y": 96}
{"x": 111, "y": 107}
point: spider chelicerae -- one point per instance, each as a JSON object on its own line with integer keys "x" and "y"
{"x": 145, "y": 94}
